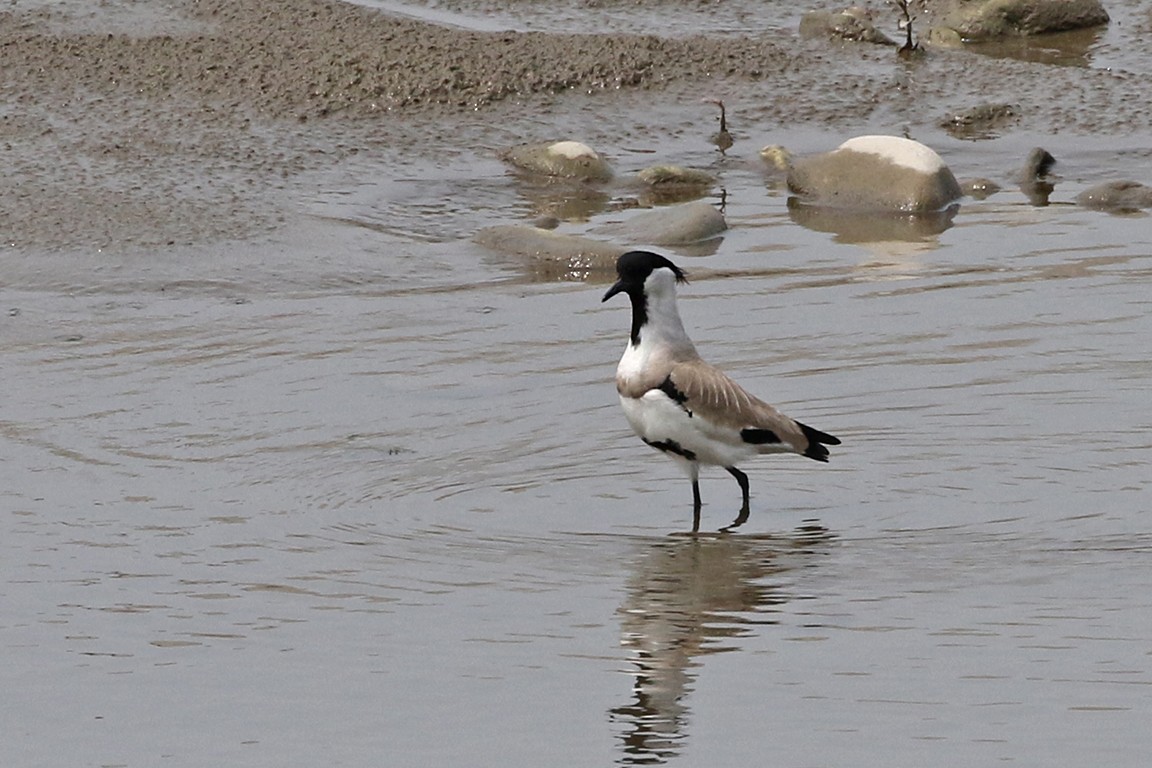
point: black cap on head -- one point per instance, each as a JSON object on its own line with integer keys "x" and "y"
{"x": 633, "y": 268}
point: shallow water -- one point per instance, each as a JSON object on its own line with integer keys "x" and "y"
{"x": 1118, "y": 44}
{"x": 361, "y": 493}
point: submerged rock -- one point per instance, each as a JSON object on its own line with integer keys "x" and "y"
{"x": 549, "y": 252}
{"x": 979, "y": 189}
{"x": 980, "y": 121}
{"x": 876, "y": 173}
{"x": 568, "y": 159}
{"x": 675, "y": 175}
{"x": 555, "y": 254}
{"x": 1117, "y": 196}
{"x": 852, "y": 23}
{"x": 987, "y": 19}
{"x": 674, "y": 225}
{"x": 668, "y": 184}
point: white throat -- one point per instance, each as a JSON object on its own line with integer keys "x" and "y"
{"x": 662, "y": 337}
{"x": 664, "y": 326}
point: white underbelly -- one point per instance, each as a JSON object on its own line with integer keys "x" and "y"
{"x": 656, "y": 418}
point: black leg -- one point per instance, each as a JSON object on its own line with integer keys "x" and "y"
{"x": 745, "y": 508}
{"x": 695, "y": 506}
{"x": 743, "y": 480}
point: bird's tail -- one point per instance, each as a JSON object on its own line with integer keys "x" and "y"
{"x": 816, "y": 442}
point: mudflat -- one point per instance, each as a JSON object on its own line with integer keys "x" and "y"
{"x": 170, "y": 123}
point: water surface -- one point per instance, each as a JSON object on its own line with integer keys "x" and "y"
{"x": 360, "y": 492}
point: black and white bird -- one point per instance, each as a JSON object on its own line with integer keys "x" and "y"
{"x": 681, "y": 405}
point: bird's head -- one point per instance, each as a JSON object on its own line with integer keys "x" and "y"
{"x": 641, "y": 273}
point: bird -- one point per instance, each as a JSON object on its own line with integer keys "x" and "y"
{"x": 722, "y": 138}
{"x": 680, "y": 405}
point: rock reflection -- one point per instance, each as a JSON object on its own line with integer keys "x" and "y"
{"x": 871, "y": 226}
{"x": 564, "y": 199}
{"x": 1071, "y": 48}
{"x": 691, "y": 596}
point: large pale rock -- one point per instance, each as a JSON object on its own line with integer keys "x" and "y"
{"x": 887, "y": 173}
{"x": 986, "y": 19}
{"x": 568, "y": 159}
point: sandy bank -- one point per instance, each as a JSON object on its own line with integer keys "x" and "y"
{"x": 180, "y": 121}
{"x": 156, "y": 124}
{"x": 310, "y": 58}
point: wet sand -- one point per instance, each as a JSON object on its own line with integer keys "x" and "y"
{"x": 185, "y": 122}
{"x": 181, "y": 122}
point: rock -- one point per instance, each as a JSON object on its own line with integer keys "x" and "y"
{"x": 550, "y": 253}
{"x": 1034, "y": 178}
{"x": 675, "y": 175}
{"x": 876, "y": 173}
{"x": 777, "y": 157}
{"x": 979, "y": 122}
{"x": 674, "y": 225}
{"x": 852, "y": 23}
{"x": 1117, "y": 196}
{"x": 1038, "y": 165}
{"x": 979, "y": 189}
{"x": 985, "y": 19}
{"x": 945, "y": 37}
{"x": 568, "y": 159}
{"x": 669, "y": 184}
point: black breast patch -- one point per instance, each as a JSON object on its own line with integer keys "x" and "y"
{"x": 671, "y": 446}
{"x": 669, "y": 388}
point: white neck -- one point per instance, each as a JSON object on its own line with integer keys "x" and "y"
{"x": 663, "y": 332}
{"x": 664, "y": 326}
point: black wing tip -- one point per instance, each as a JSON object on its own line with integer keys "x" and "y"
{"x": 817, "y": 452}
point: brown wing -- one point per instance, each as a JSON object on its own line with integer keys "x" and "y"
{"x": 706, "y": 391}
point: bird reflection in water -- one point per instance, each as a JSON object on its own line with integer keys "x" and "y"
{"x": 691, "y": 596}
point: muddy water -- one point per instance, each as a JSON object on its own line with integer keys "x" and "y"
{"x": 359, "y": 492}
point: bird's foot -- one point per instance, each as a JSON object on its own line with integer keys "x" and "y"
{"x": 739, "y": 521}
